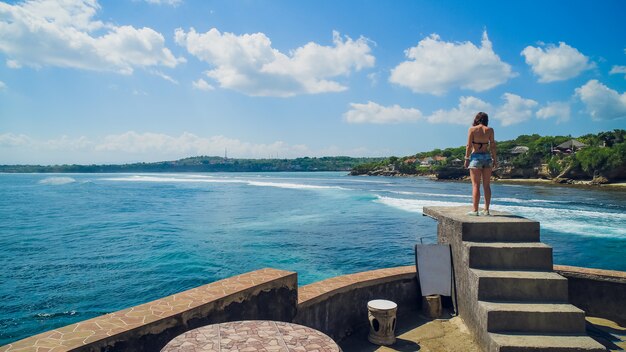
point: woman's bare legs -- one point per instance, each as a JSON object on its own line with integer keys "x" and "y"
{"x": 475, "y": 175}
{"x": 486, "y": 174}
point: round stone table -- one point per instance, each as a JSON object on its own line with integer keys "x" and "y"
{"x": 252, "y": 335}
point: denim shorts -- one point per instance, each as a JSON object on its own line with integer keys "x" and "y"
{"x": 480, "y": 161}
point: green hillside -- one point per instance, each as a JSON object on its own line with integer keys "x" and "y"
{"x": 602, "y": 156}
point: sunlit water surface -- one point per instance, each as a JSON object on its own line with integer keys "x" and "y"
{"x": 76, "y": 246}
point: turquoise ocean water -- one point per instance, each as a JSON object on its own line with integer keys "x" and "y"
{"x": 76, "y": 246}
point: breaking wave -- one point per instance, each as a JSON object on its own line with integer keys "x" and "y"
{"x": 579, "y": 222}
{"x": 210, "y": 179}
{"x": 56, "y": 181}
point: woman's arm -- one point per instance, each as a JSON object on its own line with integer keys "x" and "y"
{"x": 468, "y": 147}
{"x": 492, "y": 145}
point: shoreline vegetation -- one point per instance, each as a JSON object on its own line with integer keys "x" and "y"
{"x": 204, "y": 164}
{"x": 591, "y": 159}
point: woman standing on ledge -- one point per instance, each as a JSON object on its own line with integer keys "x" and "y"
{"x": 482, "y": 146}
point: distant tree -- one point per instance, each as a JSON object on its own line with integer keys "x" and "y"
{"x": 594, "y": 159}
{"x": 555, "y": 166}
{"x": 523, "y": 161}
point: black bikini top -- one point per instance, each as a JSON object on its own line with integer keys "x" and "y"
{"x": 480, "y": 144}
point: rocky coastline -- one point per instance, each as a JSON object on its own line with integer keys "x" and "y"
{"x": 591, "y": 160}
{"x": 504, "y": 175}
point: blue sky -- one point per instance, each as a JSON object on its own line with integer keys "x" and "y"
{"x": 124, "y": 81}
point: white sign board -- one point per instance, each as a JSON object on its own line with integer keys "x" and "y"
{"x": 434, "y": 269}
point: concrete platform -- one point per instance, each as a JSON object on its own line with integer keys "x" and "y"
{"x": 419, "y": 334}
{"x": 509, "y": 227}
{"x": 607, "y": 332}
{"x": 451, "y": 335}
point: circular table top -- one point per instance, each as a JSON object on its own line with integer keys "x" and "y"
{"x": 252, "y": 335}
{"x": 382, "y": 304}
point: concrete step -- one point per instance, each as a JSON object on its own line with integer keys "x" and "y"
{"x": 524, "y": 286}
{"x": 536, "y": 343}
{"x": 545, "y": 318}
{"x": 510, "y": 255}
{"x": 500, "y": 229}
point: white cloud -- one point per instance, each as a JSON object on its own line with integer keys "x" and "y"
{"x": 375, "y": 113}
{"x": 556, "y": 63}
{"x": 558, "y": 109}
{"x": 616, "y": 70}
{"x": 191, "y": 144}
{"x": 463, "y": 114}
{"x": 14, "y": 140}
{"x": 435, "y": 66}
{"x": 359, "y": 151}
{"x": 64, "y": 33}
{"x": 249, "y": 64}
{"x": 202, "y": 85}
{"x": 164, "y": 76}
{"x": 134, "y": 146}
{"x": 165, "y": 2}
{"x": 3, "y": 86}
{"x": 602, "y": 102}
{"x": 515, "y": 109}
{"x": 66, "y": 144}
{"x": 373, "y": 77}
{"x": 13, "y": 64}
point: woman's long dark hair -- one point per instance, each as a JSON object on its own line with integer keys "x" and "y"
{"x": 481, "y": 119}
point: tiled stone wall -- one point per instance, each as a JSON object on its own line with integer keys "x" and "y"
{"x": 338, "y": 306}
{"x": 600, "y": 293}
{"x": 334, "y": 306}
{"x": 262, "y": 294}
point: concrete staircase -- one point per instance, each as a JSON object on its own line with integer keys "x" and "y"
{"x": 516, "y": 302}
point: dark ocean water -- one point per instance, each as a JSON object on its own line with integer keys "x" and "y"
{"x": 76, "y": 246}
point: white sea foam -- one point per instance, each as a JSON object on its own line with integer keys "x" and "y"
{"x": 344, "y": 179}
{"x": 209, "y": 179}
{"x": 494, "y": 200}
{"x": 280, "y": 220}
{"x": 409, "y": 193}
{"x": 176, "y": 179}
{"x": 52, "y": 315}
{"x": 292, "y": 185}
{"x": 526, "y": 201}
{"x": 57, "y": 181}
{"x": 579, "y": 222}
{"x": 559, "y": 212}
{"x": 413, "y": 205}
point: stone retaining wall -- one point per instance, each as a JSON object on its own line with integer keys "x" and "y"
{"x": 600, "y": 293}
{"x": 338, "y": 306}
{"x": 334, "y": 306}
{"x": 262, "y": 294}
